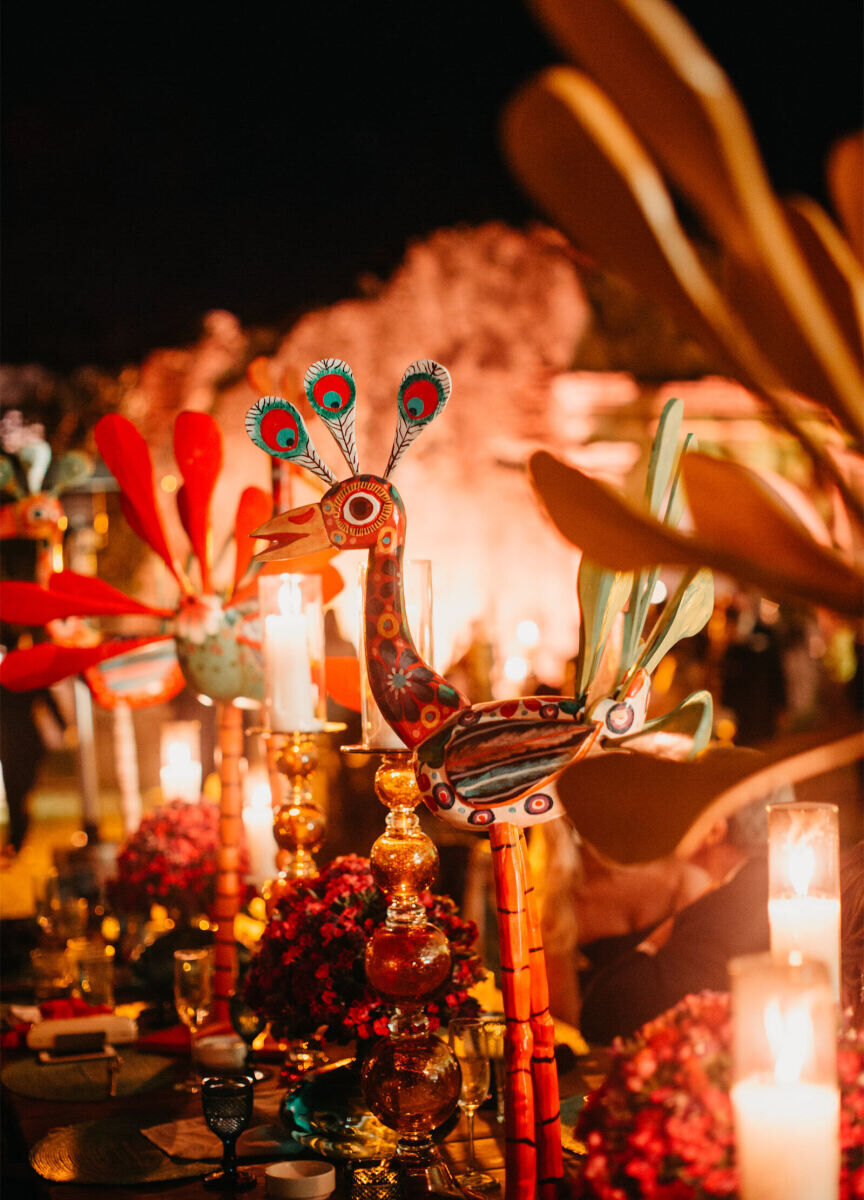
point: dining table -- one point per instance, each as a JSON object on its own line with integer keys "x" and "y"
{"x": 27, "y": 1119}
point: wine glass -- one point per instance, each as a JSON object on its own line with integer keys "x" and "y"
{"x": 468, "y": 1042}
{"x": 496, "y": 1028}
{"x": 247, "y": 1024}
{"x": 192, "y": 985}
{"x": 227, "y": 1104}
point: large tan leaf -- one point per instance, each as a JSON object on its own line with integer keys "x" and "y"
{"x": 846, "y": 185}
{"x": 633, "y": 808}
{"x": 679, "y": 101}
{"x": 574, "y": 153}
{"x": 742, "y": 531}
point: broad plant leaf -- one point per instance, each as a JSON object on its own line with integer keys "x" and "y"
{"x": 761, "y": 544}
{"x": 685, "y": 614}
{"x": 693, "y": 718}
{"x": 633, "y": 808}
{"x": 602, "y": 595}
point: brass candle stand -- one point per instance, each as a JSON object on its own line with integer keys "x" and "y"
{"x": 411, "y": 1079}
{"x": 299, "y": 824}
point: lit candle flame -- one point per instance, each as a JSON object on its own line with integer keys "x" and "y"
{"x": 178, "y": 754}
{"x": 790, "y": 1035}
{"x": 289, "y": 597}
{"x": 802, "y": 866}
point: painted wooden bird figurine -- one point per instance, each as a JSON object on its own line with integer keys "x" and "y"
{"x": 485, "y": 767}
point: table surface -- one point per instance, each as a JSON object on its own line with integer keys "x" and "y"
{"x": 25, "y": 1121}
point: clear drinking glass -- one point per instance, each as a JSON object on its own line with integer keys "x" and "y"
{"x": 227, "y": 1104}
{"x": 496, "y": 1028}
{"x": 468, "y": 1042}
{"x": 96, "y": 975}
{"x": 192, "y": 991}
{"x": 247, "y": 1024}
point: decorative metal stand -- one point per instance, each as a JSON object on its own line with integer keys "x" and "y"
{"x": 299, "y": 825}
{"x": 411, "y": 1078}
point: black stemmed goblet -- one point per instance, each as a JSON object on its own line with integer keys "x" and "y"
{"x": 227, "y": 1104}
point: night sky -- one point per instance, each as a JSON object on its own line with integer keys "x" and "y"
{"x": 164, "y": 159}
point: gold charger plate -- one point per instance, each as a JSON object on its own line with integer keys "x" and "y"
{"x": 112, "y": 1151}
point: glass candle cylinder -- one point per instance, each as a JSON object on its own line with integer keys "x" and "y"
{"x": 804, "y": 884}
{"x": 785, "y": 1097}
{"x": 292, "y": 618}
{"x": 417, "y": 578}
{"x": 180, "y": 753}
{"x": 258, "y": 827}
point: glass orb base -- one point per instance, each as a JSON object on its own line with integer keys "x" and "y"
{"x": 422, "y": 1172}
{"x": 412, "y": 1084}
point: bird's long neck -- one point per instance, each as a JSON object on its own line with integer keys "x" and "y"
{"x": 414, "y": 700}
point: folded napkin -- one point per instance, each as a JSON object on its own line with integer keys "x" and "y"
{"x": 192, "y": 1139}
{"x": 22, "y": 1018}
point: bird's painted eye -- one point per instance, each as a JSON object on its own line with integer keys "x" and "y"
{"x": 361, "y": 509}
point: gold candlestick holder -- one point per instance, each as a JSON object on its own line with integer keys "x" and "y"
{"x": 299, "y": 822}
{"x": 411, "y": 1078}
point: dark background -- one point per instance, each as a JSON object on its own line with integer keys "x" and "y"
{"x": 164, "y": 159}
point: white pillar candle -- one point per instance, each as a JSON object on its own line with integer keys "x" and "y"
{"x": 804, "y": 884}
{"x": 787, "y": 1140}
{"x": 180, "y": 777}
{"x": 785, "y": 1098}
{"x": 260, "y": 844}
{"x": 290, "y": 695}
{"x": 810, "y": 927}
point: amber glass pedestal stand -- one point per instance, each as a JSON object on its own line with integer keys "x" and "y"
{"x": 411, "y": 1079}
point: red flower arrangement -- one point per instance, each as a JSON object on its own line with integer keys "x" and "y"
{"x": 171, "y": 859}
{"x": 308, "y": 976}
{"x": 660, "y": 1126}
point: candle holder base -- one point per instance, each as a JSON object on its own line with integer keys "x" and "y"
{"x": 299, "y": 825}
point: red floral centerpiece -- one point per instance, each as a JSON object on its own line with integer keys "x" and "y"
{"x": 171, "y": 859}
{"x": 661, "y": 1126}
{"x": 308, "y": 977}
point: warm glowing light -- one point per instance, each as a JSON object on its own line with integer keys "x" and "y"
{"x": 261, "y": 796}
{"x": 802, "y": 866}
{"x": 528, "y": 633}
{"x": 726, "y": 728}
{"x": 57, "y": 558}
{"x": 790, "y": 1036}
{"x": 111, "y": 930}
{"x": 63, "y": 523}
{"x": 769, "y": 611}
{"x": 101, "y": 523}
{"x": 516, "y": 668}
{"x": 659, "y": 593}
{"x": 180, "y": 773}
{"x": 289, "y": 599}
{"x": 168, "y": 483}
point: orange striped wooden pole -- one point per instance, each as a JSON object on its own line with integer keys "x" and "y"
{"x": 513, "y": 936}
{"x": 228, "y": 877}
{"x": 547, "y": 1105}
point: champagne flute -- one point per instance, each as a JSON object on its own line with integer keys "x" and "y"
{"x": 496, "y": 1028}
{"x": 192, "y": 986}
{"x": 468, "y": 1042}
{"x": 247, "y": 1024}
{"x": 227, "y": 1104}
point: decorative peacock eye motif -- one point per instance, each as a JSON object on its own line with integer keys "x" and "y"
{"x": 331, "y": 391}
{"x": 276, "y": 426}
{"x": 361, "y": 506}
{"x": 423, "y": 393}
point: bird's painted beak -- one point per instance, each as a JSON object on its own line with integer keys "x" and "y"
{"x": 300, "y": 531}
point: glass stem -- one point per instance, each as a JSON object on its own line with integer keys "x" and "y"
{"x": 229, "y": 1157}
{"x": 471, "y": 1163}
